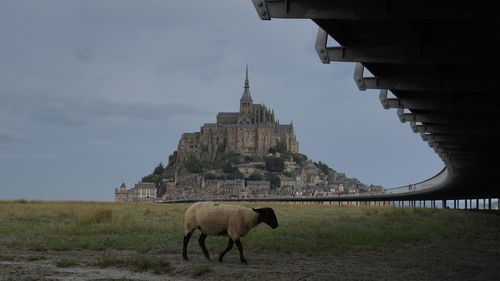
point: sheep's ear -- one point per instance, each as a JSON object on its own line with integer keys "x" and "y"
{"x": 255, "y": 210}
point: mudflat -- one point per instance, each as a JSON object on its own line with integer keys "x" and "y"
{"x": 478, "y": 260}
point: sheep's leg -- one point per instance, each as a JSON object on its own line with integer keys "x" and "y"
{"x": 229, "y": 247}
{"x": 185, "y": 245}
{"x": 202, "y": 245}
{"x": 240, "y": 249}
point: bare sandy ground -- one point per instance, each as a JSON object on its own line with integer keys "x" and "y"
{"x": 478, "y": 260}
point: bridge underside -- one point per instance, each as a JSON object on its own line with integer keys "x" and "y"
{"x": 436, "y": 62}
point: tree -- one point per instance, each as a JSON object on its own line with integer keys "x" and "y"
{"x": 281, "y": 147}
{"x": 255, "y": 177}
{"x": 193, "y": 165}
{"x": 275, "y": 164}
{"x": 273, "y": 179}
{"x": 172, "y": 159}
{"x": 159, "y": 169}
{"x": 238, "y": 174}
{"x": 299, "y": 158}
{"x": 229, "y": 169}
{"x": 323, "y": 167}
{"x": 210, "y": 176}
{"x": 156, "y": 179}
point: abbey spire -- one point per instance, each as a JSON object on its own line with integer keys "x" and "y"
{"x": 246, "y": 93}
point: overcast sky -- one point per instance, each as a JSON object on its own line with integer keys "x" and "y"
{"x": 93, "y": 93}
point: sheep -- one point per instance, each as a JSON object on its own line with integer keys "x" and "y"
{"x": 228, "y": 220}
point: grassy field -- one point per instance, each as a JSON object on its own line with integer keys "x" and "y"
{"x": 146, "y": 227}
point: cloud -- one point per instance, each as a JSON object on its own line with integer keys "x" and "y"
{"x": 84, "y": 55}
{"x": 30, "y": 155}
{"x": 98, "y": 143}
{"x": 11, "y": 136}
{"x": 75, "y": 111}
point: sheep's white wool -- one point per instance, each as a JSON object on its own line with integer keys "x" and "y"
{"x": 218, "y": 219}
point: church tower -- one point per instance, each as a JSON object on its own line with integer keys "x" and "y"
{"x": 246, "y": 103}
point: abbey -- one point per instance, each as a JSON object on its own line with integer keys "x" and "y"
{"x": 251, "y": 131}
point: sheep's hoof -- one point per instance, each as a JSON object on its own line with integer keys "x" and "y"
{"x": 185, "y": 258}
{"x": 244, "y": 261}
{"x": 220, "y": 260}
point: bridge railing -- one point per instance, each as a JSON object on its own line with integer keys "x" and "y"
{"x": 426, "y": 185}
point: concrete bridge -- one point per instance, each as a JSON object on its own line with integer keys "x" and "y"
{"x": 439, "y": 61}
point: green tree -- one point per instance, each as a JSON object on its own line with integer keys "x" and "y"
{"x": 238, "y": 174}
{"x": 255, "y": 177}
{"x": 156, "y": 179}
{"x": 281, "y": 147}
{"x": 275, "y": 164}
{"x": 273, "y": 179}
{"x": 159, "y": 169}
{"x": 193, "y": 165}
{"x": 299, "y": 158}
{"x": 323, "y": 167}
{"x": 172, "y": 159}
{"x": 210, "y": 176}
{"x": 229, "y": 169}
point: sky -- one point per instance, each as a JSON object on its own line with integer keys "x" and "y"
{"x": 95, "y": 93}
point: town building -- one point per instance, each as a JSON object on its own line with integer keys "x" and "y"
{"x": 121, "y": 194}
{"x": 142, "y": 191}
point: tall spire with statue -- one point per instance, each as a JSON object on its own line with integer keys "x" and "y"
{"x": 246, "y": 93}
{"x": 246, "y": 102}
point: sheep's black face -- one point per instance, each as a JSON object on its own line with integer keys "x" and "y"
{"x": 267, "y": 216}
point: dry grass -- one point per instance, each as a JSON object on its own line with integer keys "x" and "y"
{"x": 144, "y": 227}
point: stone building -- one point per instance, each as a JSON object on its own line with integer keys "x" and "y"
{"x": 121, "y": 193}
{"x": 287, "y": 181}
{"x": 142, "y": 191}
{"x": 233, "y": 187}
{"x": 258, "y": 188}
{"x": 251, "y": 131}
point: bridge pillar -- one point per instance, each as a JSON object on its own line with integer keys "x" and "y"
{"x": 489, "y": 203}
{"x": 443, "y": 204}
{"x": 465, "y": 204}
{"x": 477, "y": 203}
{"x": 454, "y": 203}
